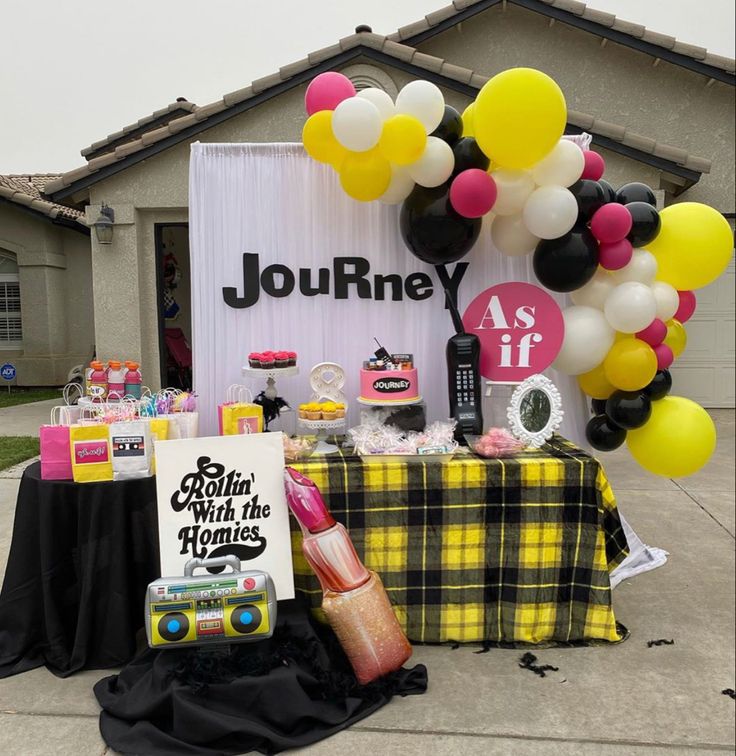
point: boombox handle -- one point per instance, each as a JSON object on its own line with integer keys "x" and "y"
{"x": 223, "y": 561}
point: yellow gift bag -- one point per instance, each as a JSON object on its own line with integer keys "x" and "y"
{"x": 159, "y": 432}
{"x": 239, "y": 414}
{"x": 90, "y": 450}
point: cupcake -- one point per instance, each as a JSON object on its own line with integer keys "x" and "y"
{"x": 314, "y": 411}
{"x": 267, "y": 360}
{"x": 281, "y": 359}
{"x": 329, "y": 411}
{"x": 254, "y": 360}
{"x": 339, "y": 410}
{"x": 292, "y": 358}
{"x": 303, "y": 411}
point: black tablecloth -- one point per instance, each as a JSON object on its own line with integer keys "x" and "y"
{"x": 288, "y": 691}
{"x": 80, "y": 560}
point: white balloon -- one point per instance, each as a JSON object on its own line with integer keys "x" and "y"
{"x": 514, "y": 188}
{"x": 511, "y": 237}
{"x": 435, "y": 165}
{"x": 424, "y": 101}
{"x": 668, "y": 300}
{"x": 641, "y": 268}
{"x": 382, "y": 100}
{"x": 595, "y": 292}
{"x": 562, "y": 167}
{"x": 357, "y": 124}
{"x": 399, "y": 188}
{"x": 630, "y": 307}
{"x": 550, "y": 212}
{"x": 588, "y": 337}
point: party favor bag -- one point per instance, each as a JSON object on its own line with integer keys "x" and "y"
{"x": 90, "y": 452}
{"x": 70, "y": 412}
{"x": 159, "y": 428}
{"x": 239, "y": 414}
{"x": 188, "y": 423}
{"x": 56, "y": 462}
{"x": 131, "y": 449}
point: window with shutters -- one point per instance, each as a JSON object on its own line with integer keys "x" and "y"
{"x": 11, "y": 328}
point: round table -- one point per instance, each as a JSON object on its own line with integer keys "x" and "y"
{"x": 80, "y": 560}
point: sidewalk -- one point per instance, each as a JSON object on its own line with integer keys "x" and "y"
{"x": 25, "y": 419}
{"x": 622, "y": 700}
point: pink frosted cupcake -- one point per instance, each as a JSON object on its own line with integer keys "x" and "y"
{"x": 254, "y": 360}
{"x": 267, "y": 360}
{"x": 281, "y": 359}
{"x": 292, "y": 358}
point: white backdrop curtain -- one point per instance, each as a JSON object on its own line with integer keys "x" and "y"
{"x": 275, "y": 201}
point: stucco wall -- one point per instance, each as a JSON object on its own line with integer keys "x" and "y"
{"x": 56, "y": 296}
{"x": 667, "y": 103}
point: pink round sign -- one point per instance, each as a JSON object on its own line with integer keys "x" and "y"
{"x": 520, "y": 328}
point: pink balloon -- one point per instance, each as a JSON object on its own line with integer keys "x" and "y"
{"x": 615, "y": 255}
{"x": 327, "y": 91}
{"x": 473, "y": 193}
{"x": 687, "y": 306}
{"x": 665, "y": 356}
{"x": 595, "y": 165}
{"x": 654, "y": 334}
{"x": 611, "y": 223}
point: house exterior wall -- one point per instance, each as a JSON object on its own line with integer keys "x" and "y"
{"x": 668, "y": 103}
{"x": 56, "y": 297}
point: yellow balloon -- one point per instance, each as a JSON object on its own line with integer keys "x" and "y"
{"x": 403, "y": 139}
{"x": 693, "y": 247}
{"x": 519, "y": 116}
{"x": 468, "y": 125}
{"x": 320, "y": 142}
{"x": 677, "y": 440}
{"x": 595, "y": 384}
{"x": 365, "y": 176}
{"x": 676, "y": 338}
{"x": 630, "y": 364}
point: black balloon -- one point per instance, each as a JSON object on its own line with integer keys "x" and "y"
{"x": 635, "y": 192}
{"x": 590, "y": 197}
{"x": 603, "y": 435}
{"x": 660, "y": 386}
{"x": 451, "y": 126}
{"x": 469, "y": 155}
{"x": 567, "y": 263}
{"x": 432, "y": 230}
{"x": 598, "y": 406}
{"x": 609, "y": 193}
{"x": 646, "y": 223}
{"x": 629, "y": 409}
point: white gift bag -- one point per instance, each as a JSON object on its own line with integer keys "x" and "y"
{"x": 188, "y": 423}
{"x": 132, "y": 449}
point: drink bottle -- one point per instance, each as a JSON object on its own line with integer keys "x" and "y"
{"x": 133, "y": 380}
{"x": 353, "y": 598}
{"x": 115, "y": 380}
{"x": 97, "y": 382}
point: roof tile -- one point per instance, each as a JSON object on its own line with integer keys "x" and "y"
{"x": 477, "y": 81}
{"x": 401, "y": 52}
{"x": 463, "y": 4}
{"x": 627, "y": 27}
{"x": 292, "y": 69}
{"x": 599, "y": 17}
{"x": 101, "y": 162}
{"x": 324, "y": 54}
{"x": 701, "y": 165}
{"x": 203, "y": 113}
{"x": 674, "y": 154}
{"x": 457, "y": 73}
{"x": 174, "y": 127}
{"x": 661, "y": 40}
{"x": 410, "y": 30}
{"x": 351, "y": 41}
{"x": 266, "y": 82}
{"x": 638, "y": 142}
{"x": 438, "y": 16}
{"x": 581, "y": 120}
{"x": 70, "y": 177}
{"x": 428, "y": 62}
{"x": 155, "y": 136}
{"x": 233, "y": 98}
{"x": 572, "y": 6}
{"x": 720, "y": 61}
{"x": 692, "y": 51}
{"x": 126, "y": 149}
{"x": 610, "y": 130}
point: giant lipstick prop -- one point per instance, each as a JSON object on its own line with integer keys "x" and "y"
{"x": 354, "y": 599}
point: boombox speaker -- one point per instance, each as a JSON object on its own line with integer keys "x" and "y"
{"x": 226, "y": 608}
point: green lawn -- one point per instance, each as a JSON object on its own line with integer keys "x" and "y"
{"x": 15, "y": 449}
{"x": 26, "y": 395}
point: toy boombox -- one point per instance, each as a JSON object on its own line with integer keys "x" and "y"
{"x": 193, "y": 611}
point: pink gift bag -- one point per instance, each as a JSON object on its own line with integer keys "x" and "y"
{"x": 56, "y": 459}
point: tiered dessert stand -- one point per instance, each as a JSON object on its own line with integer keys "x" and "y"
{"x": 271, "y": 375}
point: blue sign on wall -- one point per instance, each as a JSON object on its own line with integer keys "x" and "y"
{"x": 7, "y": 372}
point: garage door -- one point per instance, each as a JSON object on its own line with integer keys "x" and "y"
{"x": 704, "y": 372}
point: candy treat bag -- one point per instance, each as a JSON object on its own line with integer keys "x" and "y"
{"x": 159, "y": 428}
{"x": 56, "y": 462}
{"x": 240, "y": 414}
{"x": 187, "y": 417}
{"x": 90, "y": 452}
{"x": 70, "y": 411}
{"x": 131, "y": 449}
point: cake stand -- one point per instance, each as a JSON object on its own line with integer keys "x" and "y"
{"x": 271, "y": 375}
{"x": 326, "y": 380}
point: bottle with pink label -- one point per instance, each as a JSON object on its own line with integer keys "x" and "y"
{"x": 354, "y": 599}
{"x": 133, "y": 380}
{"x": 115, "y": 380}
{"x": 97, "y": 381}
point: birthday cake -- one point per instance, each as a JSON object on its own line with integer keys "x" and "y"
{"x": 389, "y": 379}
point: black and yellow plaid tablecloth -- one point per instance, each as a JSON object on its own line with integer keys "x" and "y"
{"x": 496, "y": 550}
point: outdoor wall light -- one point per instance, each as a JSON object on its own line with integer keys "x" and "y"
{"x": 104, "y": 224}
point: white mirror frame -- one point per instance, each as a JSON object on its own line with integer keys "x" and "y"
{"x": 538, "y": 438}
